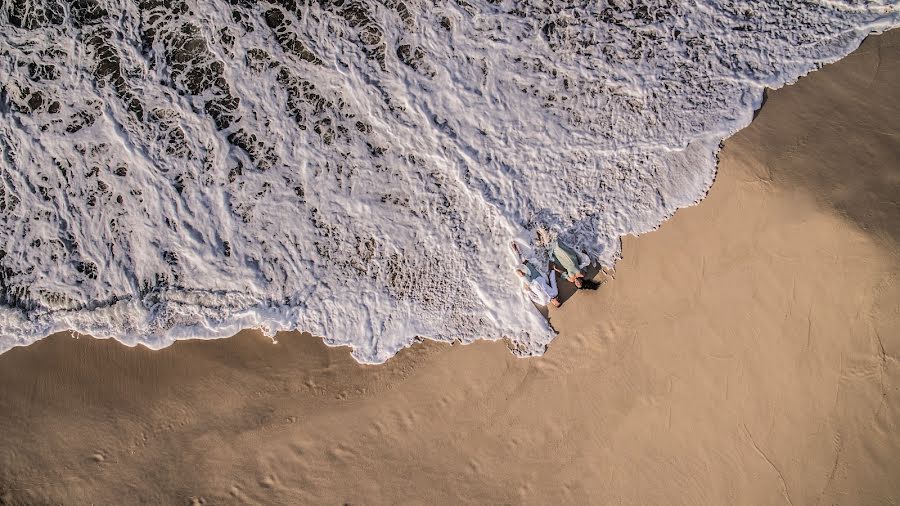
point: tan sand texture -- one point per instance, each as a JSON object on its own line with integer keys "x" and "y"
{"x": 746, "y": 353}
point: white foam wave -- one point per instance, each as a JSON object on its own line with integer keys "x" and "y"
{"x": 356, "y": 169}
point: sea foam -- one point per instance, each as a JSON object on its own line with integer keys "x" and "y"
{"x": 357, "y": 169}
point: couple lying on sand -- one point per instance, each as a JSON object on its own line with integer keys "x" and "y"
{"x": 541, "y": 287}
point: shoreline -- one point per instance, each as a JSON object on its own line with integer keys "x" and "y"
{"x": 746, "y": 353}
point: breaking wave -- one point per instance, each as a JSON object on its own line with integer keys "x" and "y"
{"x": 357, "y": 168}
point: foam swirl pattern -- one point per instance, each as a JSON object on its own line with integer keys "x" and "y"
{"x": 357, "y": 168}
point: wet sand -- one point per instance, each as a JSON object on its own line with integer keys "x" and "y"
{"x": 745, "y": 353}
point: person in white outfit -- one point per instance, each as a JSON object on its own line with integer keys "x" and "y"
{"x": 540, "y": 287}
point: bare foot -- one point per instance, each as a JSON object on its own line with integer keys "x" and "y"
{"x": 555, "y": 302}
{"x": 515, "y": 248}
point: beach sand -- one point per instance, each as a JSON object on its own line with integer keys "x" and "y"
{"x": 745, "y": 353}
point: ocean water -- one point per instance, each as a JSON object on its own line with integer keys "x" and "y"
{"x": 357, "y": 169}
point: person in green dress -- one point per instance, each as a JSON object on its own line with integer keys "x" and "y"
{"x": 567, "y": 262}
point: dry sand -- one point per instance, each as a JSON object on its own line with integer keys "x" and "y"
{"x": 746, "y": 353}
